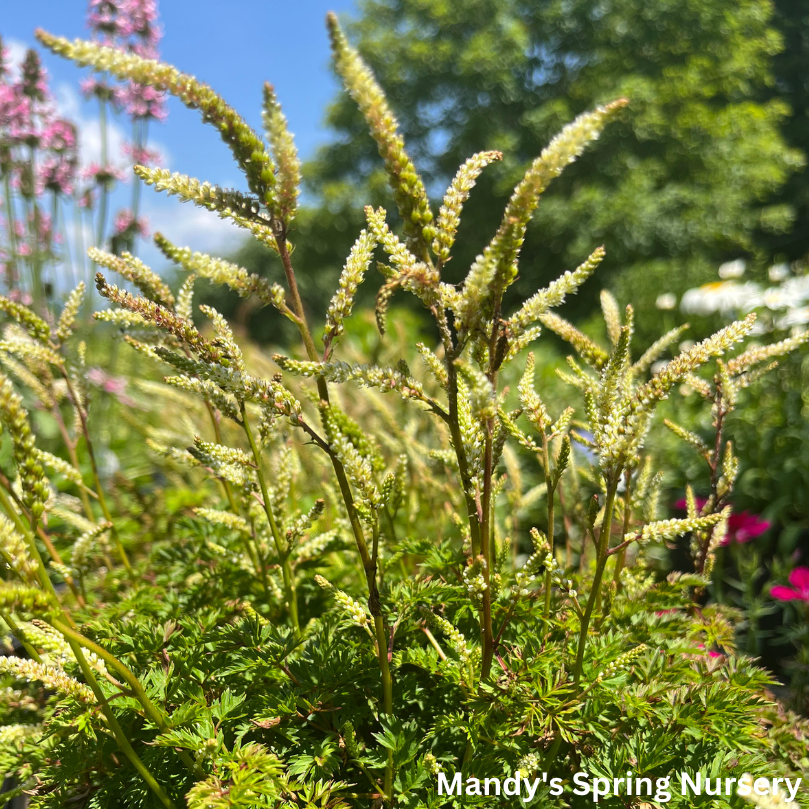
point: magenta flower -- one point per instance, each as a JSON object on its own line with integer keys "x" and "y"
{"x": 21, "y": 297}
{"x": 799, "y": 579}
{"x": 742, "y": 527}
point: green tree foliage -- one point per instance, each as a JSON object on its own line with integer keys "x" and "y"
{"x": 679, "y": 183}
{"x": 791, "y": 85}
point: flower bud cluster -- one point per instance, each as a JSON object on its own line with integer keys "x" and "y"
{"x": 219, "y": 271}
{"x": 283, "y": 149}
{"x": 245, "y": 144}
{"x": 89, "y": 543}
{"x": 449, "y": 217}
{"x": 354, "y": 611}
{"x": 431, "y": 764}
{"x": 53, "y": 677}
{"x": 408, "y": 188}
{"x": 67, "y": 319}
{"x": 474, "y": 577}
{"x": 620, "y": 663}
{"x": 456, "y": 639}
{"x": 240, "y": 209}
{"x": 342, "y": 303}
{"x": 34, "y": 325}
{"x": 555, "y": 293}
{"x": 226, "y": 518}
{"x": 136, "y": 272}
{"x": 29, "y": 467}
{"x": 16, "y": 551}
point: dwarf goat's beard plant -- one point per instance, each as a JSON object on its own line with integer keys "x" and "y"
{"x": 246, "y": 657}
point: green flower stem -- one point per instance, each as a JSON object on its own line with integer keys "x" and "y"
{"x": 457, "y": 443}
{"x": 102, "y": 210}
{"x": 81, "y": 258}
{"x": 69, "y": 255}
{"x": 601, "y": 563}
{"x": 155, "y": 714}
{"x": 621, "y": 559}
{"x": 253, "y": 554}
{"x": 12, "y": 625}
{"x": 117, "y": 731}
{"x": 140, "y": 136}
{"x": 283, "y": 553}
{"x": 486, "y": 631}
{"x": 368, "y": 563}
{"x": 364, "y": 770}
{"x": 486, "y": 518}
{"x": 387, "y": 692}
{"x": 12, "y": 234}
{"x": 550, "y": 493}
{"x": 39, "y": 305}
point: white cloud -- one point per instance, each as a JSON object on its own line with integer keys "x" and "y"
{"x": 188, "y": 226}
{"x": 16, "y": 53}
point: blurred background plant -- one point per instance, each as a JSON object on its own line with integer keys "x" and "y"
{"x": 53, "y": 207}
{"x": 771, "y": 496}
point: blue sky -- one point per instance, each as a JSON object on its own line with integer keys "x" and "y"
{"x": 234, "y": 45}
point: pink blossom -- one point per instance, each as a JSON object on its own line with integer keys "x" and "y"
{"x": 57, "y": 175}
{"x": 128, "y": 25}
{"x": 105, "y": 19}
{"x": 102, "y": 175}
{"x": 18, "y": 296}
{"x": 92, "y": 87}
{"x": 87, "y": 198}
{"x": 114, "y": 385}
{"x": 710, "y": 653}
{"x": 125, "y": 222}
{"x": 799, "y": 579}
{"x": 60, "y": 136}
{"x": 141, "y": 155}
{"x": 142, "y": 24}
{"x": 34, "y": 81}
{"x": 142, "y": 101}
{"x": 744, "y": 526}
